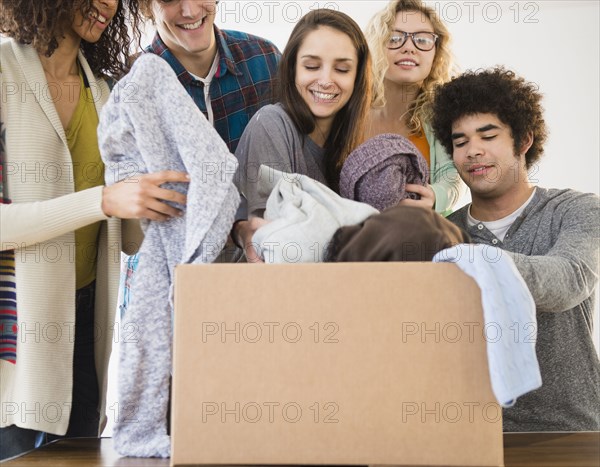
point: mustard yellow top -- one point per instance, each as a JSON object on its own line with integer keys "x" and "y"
{"x": 88, "y": 172}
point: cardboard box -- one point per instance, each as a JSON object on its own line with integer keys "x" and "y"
{"x": 348, "y": 363}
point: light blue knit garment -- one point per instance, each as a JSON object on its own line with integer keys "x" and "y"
{"x": 151, "y": 124}
{"x": 507, "y": 306}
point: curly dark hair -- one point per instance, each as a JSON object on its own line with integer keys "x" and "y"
{"x": 516, "y": 102}
{"x": 43, "y": 23}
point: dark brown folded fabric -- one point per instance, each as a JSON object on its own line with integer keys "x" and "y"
{"x": 400, "y": 233}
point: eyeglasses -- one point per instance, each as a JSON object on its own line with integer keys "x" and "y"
{"x": 424, "y": 41}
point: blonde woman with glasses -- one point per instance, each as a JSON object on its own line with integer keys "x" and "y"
{"x": 411, "y": 56}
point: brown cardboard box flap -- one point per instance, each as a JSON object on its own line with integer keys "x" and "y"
{"x": 370, "y": 363}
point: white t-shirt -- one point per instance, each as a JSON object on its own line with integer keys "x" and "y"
{"x": 500, "y": 227}
{"x": 207, "y": 81}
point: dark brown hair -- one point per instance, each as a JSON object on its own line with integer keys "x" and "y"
{"x": 43, "y": 23}
{"x": 347, "y": 129}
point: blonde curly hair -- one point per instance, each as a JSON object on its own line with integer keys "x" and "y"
{"x": 378, "y": 34}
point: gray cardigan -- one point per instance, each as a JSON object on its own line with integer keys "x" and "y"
{"x": 554, "y": 244}
{"x": 148, "y": 127}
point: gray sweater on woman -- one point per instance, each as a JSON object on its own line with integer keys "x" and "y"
{"x": 554, "y": 244}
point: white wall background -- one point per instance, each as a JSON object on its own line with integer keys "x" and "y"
{"x": 551, "y": 42}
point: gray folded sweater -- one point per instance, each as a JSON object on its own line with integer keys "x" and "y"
{"x": 151, "y": 124}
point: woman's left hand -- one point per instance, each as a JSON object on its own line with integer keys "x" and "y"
{"x": 427, "y": 194}
{"x": 244, "y": 231}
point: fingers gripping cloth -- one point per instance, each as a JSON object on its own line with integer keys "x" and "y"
{"x": 151, "y": 124}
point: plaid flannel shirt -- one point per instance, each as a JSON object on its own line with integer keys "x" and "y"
{"x": 242, "y": 84}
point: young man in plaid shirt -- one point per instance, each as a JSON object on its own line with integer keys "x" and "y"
{"x": 228, "y": 74}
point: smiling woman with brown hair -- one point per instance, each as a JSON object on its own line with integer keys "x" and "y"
{"x": 324, "y": 91}
{"x": 61, "y": 237}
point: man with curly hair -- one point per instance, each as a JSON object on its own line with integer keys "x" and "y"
{"x": 492, "y": 123}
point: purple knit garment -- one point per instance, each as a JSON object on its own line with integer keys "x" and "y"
{"x": 378, "y": 170}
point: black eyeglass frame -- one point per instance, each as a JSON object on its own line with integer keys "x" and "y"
{"x": 406, "y": 35}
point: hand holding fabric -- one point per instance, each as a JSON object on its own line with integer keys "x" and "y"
{"x": 245, "y": 231}
{"x": 141, "y": 196}
{"x": 426, "y": 193}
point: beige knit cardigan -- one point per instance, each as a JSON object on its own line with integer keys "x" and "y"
{"x": 39, "y": 224}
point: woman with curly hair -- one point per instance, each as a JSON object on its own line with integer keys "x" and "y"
{"x": 61, "y": 238}
{"x": 411, "y": 56}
